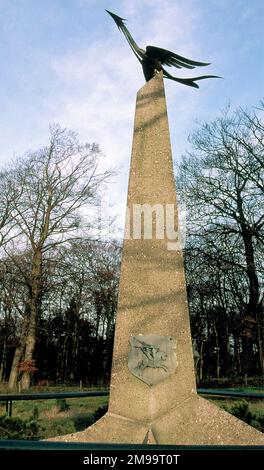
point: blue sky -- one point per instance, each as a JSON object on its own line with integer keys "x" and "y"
{"x": 65, "y": 61}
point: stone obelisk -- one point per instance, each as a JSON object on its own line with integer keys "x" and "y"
{"x": 152, "y": 394}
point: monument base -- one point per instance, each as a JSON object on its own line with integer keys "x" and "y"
{"x": 196, "y": 421}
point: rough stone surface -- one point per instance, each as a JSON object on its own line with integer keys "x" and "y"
{"x": 199, "y": 422}
{"x": 152, "y": 298}
{"x": 152, "y": 301}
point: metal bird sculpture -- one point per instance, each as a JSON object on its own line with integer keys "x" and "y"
{"x": 153, "y": 58}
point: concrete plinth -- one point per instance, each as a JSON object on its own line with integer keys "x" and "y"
{"x": 152, "y": 301}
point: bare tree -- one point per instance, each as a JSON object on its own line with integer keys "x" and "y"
{"x": 222, "y": 182}
{"x": 57, "y": 185}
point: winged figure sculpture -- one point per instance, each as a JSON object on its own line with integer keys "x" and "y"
{"x": 154, "y": 58}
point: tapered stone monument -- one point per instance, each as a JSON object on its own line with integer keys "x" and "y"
{"x": 152, "y": 394}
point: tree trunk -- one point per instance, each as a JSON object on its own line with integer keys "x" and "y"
{"x": 58, "y": 363}
{"x": 260, "y": 350}
{"x": 248, "y": 364}
{"x": 34, "y": 303}
{"x": 29, "y": 346}
{"x": 3, "y": 362}
{"x": 253, "y": 303}
{"x": 237, "y": 354}
{"x": 74, "y": 374}
{"x": 18, "y": 355}
{"x": 217, "y": 351}
{"x": 201, "y": 362}
{"x": 63, "y": 372}
{"x": 225, "y": 362}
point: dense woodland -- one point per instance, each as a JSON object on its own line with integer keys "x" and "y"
{"x": 59, "y": 284}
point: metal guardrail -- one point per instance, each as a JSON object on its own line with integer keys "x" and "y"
{"x": 51, "y": 395}
{"x": 9, "y": 398}
{"x": 96, "y": 446}
{"x": 229, "y": 393}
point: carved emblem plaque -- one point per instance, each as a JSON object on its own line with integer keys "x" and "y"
{"x": 152, "y": 358}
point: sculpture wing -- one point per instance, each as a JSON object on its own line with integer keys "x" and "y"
{"x": 120, "y": 22}
{"x": 171, "y": 59}
{"x": 188, "y": 81}
{"x": 147, "y": 59}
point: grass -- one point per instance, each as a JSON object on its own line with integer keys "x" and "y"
{"x": 255, "y": 406}
{"x": 53, "y": 421}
